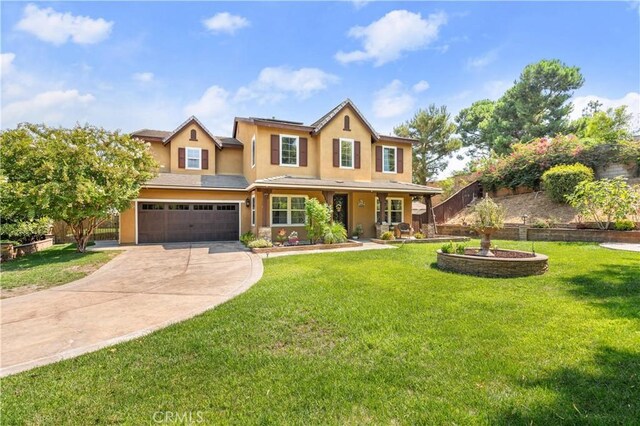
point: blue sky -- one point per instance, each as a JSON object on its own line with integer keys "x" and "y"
{"x": 132, "y": 65}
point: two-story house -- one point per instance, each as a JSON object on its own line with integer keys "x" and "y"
{"x": 215, "y": 188}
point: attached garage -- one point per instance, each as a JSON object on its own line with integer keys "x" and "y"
{"x": 163, "y": 222}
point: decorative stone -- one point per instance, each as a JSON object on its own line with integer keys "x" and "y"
{"x": 504, "y": 263}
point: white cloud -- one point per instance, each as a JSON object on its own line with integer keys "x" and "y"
{"x": 398, "y": 31}
{"x": 421, "y": 86}
{"x": 143, "y": 77}
{"x": 57, "y": 28}
{"x": 6, "y": 63}
{"x": 359, "y": 4}
{"x": 274, "y": 83}
{"x": 631, "y": 100}
{"x": 225, "y": 22}
{"x": 392, "y": 101}
{"x": 213, "y": 108}
{"x": 483, "y": 60}
{"x": 47, "y": 106}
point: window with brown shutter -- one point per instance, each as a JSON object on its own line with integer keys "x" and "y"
{"x": 378, "y": 158}
{"x": 347, "y": 124}
{"x": 336, "y": 153}
{"x": 181, "y": 157}
{"x": 303, "y": 152}
{"x": 275, "y": 149}
{"x": 356, "y": 154}
{"x": 205, "y": 159}
{"x": 400, "y": 159}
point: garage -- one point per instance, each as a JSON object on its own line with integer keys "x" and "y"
{"x": 160, "y": 222}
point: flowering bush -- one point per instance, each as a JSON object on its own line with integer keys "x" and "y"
{"x": 527, "y": 162}
{"x": 560, "y": 181}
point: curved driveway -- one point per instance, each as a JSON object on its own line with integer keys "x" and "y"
{"x": 141, "y": 290}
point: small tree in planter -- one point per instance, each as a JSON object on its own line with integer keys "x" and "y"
{"x": 489, "y": 217}
{"x": 317, "y": 219}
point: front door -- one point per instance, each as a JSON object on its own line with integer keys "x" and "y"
{"x": 340, "y": 210}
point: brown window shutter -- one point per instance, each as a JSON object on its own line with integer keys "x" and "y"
{"x": 275, "y": 149}
{"x": 378, "y": 158}
{"x": 400, "y": 160}
{"x": 205, "y": 159}
{"x": 356, "y": 154}
{"x": 336, "y": 153}
{"x": 181, "y": 156}
{"x": 303, "y": 152}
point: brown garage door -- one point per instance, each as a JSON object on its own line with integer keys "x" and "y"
{"x": 181, "y": 222}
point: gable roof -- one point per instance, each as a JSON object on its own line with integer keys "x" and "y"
{"x": 188, "y": 121}
{"x": 151, "y": 134}
{"x": 325, "y": 119}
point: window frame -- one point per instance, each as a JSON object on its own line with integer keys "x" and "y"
{"x": 388, "y": 212}
{"x": 253, "y": 210}
{"x": 289, "y": 197}
{"x": 186, "y": 158}
{"x": 353, "y": 153}
{"x": 395, "y": 158}
{"x": 253, "y": 151}
{"x": 297, "y": 138}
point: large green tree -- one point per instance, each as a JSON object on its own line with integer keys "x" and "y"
{"x": 436, "y": 132}
{"x": 80, "y": 175}
{"x": 610, "y": 126}
{"x": 535, "y": 106}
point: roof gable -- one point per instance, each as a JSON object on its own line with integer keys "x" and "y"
{"x": 325, "y": 119}
{"x": 187, "y": 122}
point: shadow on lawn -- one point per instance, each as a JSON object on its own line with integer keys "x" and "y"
{"x": 611, "y": 395}
{"x": 614, "y": 287}
{"x": 46, "y": 257}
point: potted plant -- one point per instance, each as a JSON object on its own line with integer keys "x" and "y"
{"x": 293, "y": 238}
{"x": 489, "y": 217}
{"x": 357, "y": 233}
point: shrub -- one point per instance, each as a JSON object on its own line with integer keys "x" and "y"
{"x": 26, "y": 231}
{"x": 624, "y": 225}
{"x": 247, "y": 237}
{"x": 448, "y": 248}
{"x": 260, "y": 243}
{"x": 460, "y": 248}
{"x": 605, "y": 200}
{"x": 419, "y": 236}
{"x": 317, "y": 219}
{"x": 560, "y": 181}
{"x": 540, "y": 223}
{"x": 488, "y": 215}
{"x": 387, "y": 236}
{"x": 335, "y": 233}
{"x": 359, "y": 230}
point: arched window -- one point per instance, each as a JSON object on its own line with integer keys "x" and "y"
{"x": 193, "y": 135}
{"x": 346, "y": 123}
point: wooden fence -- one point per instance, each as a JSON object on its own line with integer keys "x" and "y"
{"x": 108, "y": 230}
{"x": 452, "y": 205}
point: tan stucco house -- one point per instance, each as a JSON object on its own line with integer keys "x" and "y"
{"x": 215, "y": 188}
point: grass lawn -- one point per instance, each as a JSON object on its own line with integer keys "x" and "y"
{"x": 56, "y": 265}
{"x": 374, "y": 337}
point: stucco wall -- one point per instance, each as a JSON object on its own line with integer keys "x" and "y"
{"x": 244, "y": 134}
{"x": 162, "y": 154}
{"x": 229, "y": 161}
{"x": 265, "y": 169}
{"x": 407, "y": 157}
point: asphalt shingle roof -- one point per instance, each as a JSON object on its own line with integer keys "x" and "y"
{"x": 310, "y": 183}
{"x": 198, "y": 181}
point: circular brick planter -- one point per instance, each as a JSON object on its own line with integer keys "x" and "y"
{"x": 506, "y": 263}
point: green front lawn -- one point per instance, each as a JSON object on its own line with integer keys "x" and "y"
{"x": 375, "y": 337}
{"x": 56, "y": 265}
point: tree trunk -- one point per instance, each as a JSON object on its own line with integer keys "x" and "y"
{"x": 485, "y": 245}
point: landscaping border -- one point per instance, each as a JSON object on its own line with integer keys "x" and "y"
{"x": 10, "y": 251}
{"x": 307, "y": 247}
{"x": 436, "y": 239}
{"x": 523, "y": 233}
{"x": 497, "y": 267}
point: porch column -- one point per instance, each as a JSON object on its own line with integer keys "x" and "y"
{"x": 429, "y": 227}
{"x": 382, "y": 216}
{"x": 265, "y": 207}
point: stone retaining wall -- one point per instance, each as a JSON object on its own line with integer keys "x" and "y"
{"x": 549, "y": 234}
{"x": 493, "y": 266}
{"x": 11, "y": 252}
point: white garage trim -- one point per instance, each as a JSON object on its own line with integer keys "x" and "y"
{"x": 175, "y": 200}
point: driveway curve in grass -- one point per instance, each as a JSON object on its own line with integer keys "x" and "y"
{"x": 142, "y": 290}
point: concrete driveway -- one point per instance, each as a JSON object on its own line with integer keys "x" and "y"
{"x": 143, "y": 289}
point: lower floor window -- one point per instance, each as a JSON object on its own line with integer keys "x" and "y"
{"x": 395, "y": 210}
{"x": 287, "y": 210}
{"x": 253, "y": 209}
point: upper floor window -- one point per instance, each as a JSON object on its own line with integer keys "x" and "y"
{"x": 289, "y": 150}
{"x": 253, "y": 151}
{"x": 346, "y": 153}
{"x": 194, "y": 135}
{"x": 389, "y": 159}
{"x": 347, "y": 124}
{"x": 194, "y": 158}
